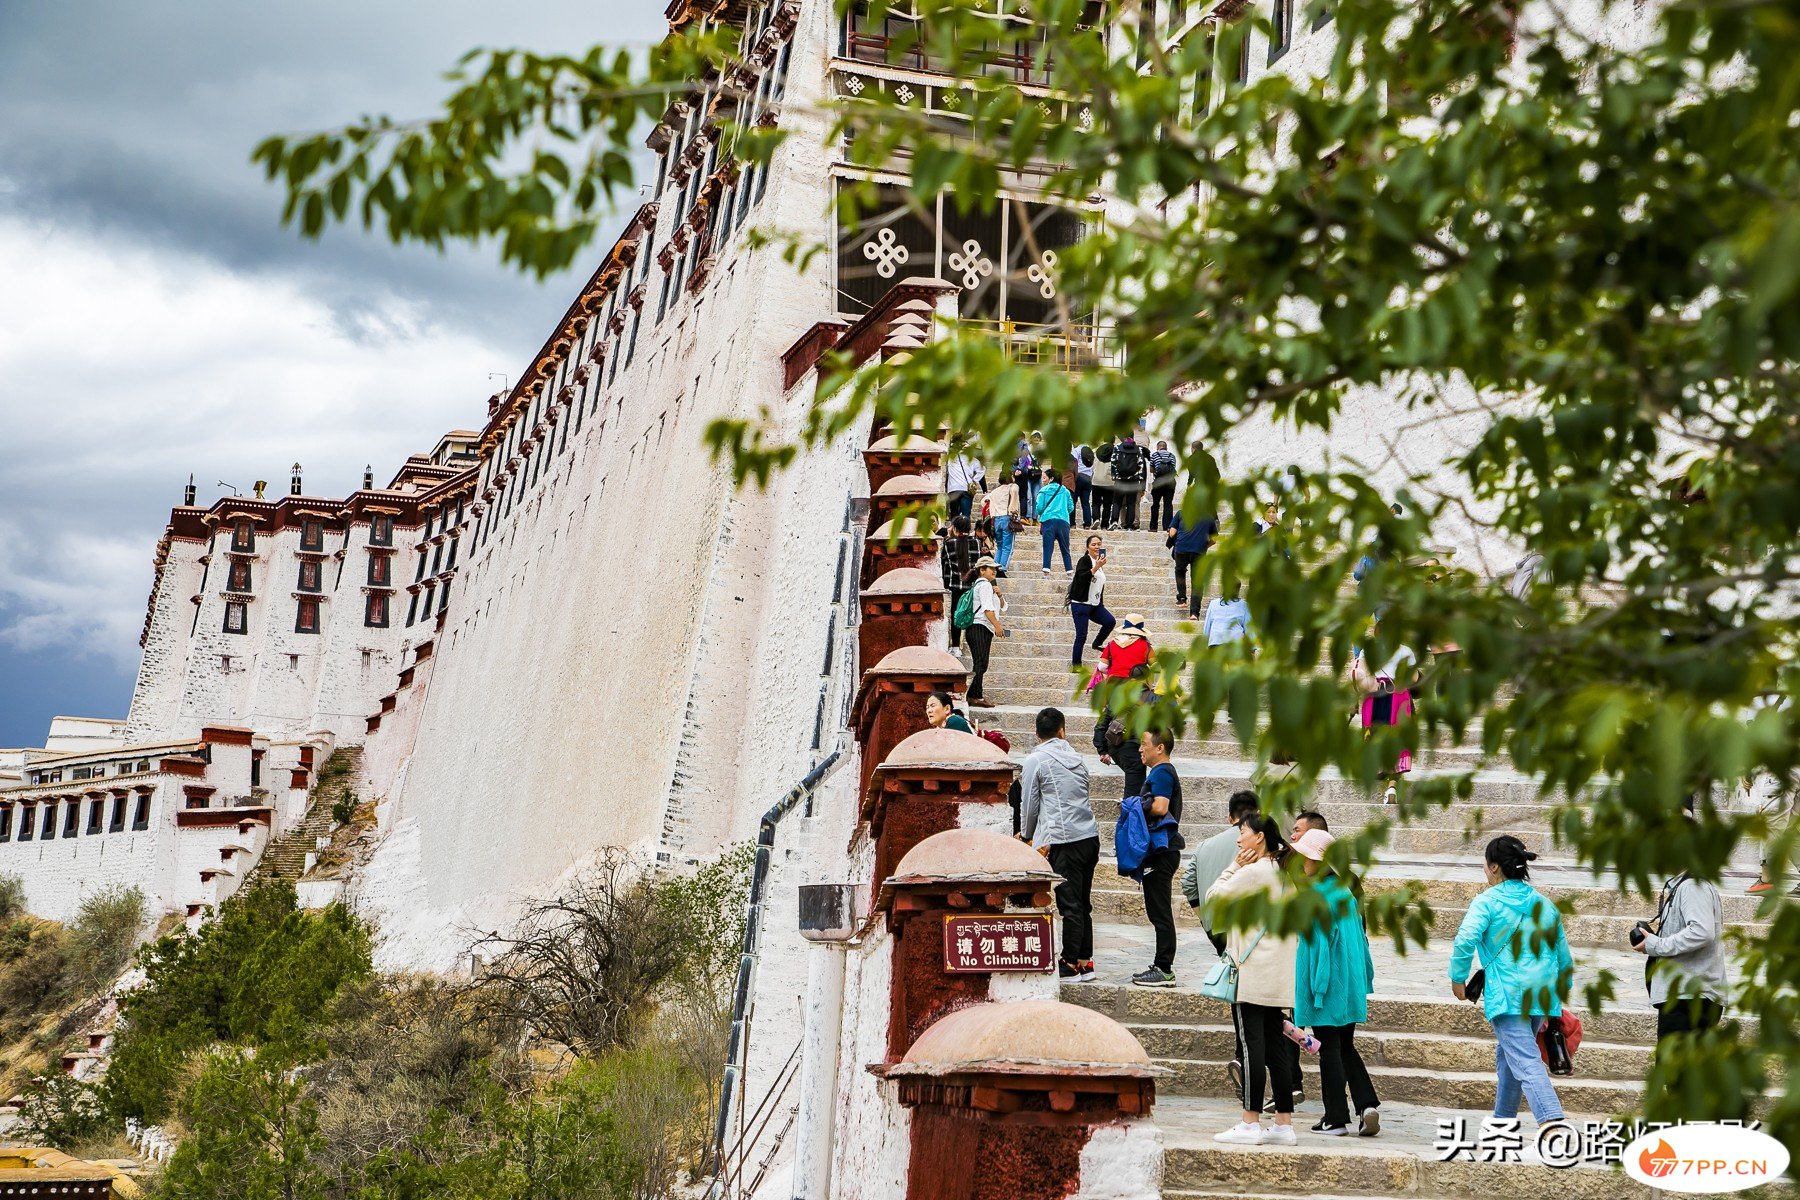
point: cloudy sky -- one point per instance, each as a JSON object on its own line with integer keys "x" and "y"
{"x": 156, "y": 320}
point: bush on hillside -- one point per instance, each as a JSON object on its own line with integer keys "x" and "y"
{"x": 586, "y": 967}
{"x": 12, "y": 897}
{"x": 60, "y": 1111}
{"x": 262, "y": 972}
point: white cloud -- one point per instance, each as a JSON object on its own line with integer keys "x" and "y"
{"x": 123, "y": 367}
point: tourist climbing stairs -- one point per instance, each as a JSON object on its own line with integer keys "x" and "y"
{"x": 1430, "y": 1056}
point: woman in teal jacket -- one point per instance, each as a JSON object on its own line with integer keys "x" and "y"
{"x": 1527, "y": 965}
{"x": 1333, "y": 976}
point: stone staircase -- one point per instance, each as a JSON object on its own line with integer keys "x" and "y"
{"x": 285, "y": 857}
{"x": 1431, "y": 1056}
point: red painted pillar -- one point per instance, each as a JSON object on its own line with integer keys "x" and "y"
{"x": 893, "y": 456}
{"x": 890, "y": 707}
{"x": 901, "y": 491}
{"x": 958, "y": 873}
{"x": 1008, "y": 1099}
{"x": 935, "y": 780}
{"x": 891, "y": 547}
{"x": 899, "y": 609}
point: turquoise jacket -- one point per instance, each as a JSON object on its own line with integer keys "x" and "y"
{"x": 1519, "y": 936}
{"x": 1333, "y": 972}
{"x": 1054, "y": 503}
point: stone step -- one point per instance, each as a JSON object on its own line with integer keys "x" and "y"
{"x": 1402, "y": 1162}
{"x": 1590, "y": 897}
{"x": 1440, "y": 1016}
{"x": 1216, "y": 1044}
{"x": 1433, "y": 1087}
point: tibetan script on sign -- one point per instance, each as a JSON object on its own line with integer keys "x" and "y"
{"x": 1021, "y": 943}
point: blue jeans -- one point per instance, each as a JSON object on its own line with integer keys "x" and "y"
{"x": 1003, "y": 540}
{"x": 1084, "y": 495}
{"x": 1028, "y": 491}
{"x": 1100, "y": 617}
{"x": 1521, "y": 1070}
{"x": 1056, "y": 533}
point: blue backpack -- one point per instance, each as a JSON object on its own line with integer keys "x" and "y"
{"x": 1131, "y": 837}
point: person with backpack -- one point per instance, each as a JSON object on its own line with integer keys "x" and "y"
{"x": 957, "y": 552}
{"x": 1056, "y": 816}
{"x": 1082, "y": 460}
{"x": 1333, "y": 976}
{"x": 1161, "y": 806}
{"x": 1055, "y": 504}
{"x": 1086, "y": 597}
{"x": 1525, "y": 968}
{"x": 1003, "y": 514}
{"x": 1162, "y": 486}
{"x": 1105, "y": 499}
{"x": 1126, "y": 656}
{"x": 1128, "y": 480}
{"x": 979, "y": 612}
{"x": 1264, "y": 962}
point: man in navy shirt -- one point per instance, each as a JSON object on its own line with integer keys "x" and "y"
{"x": 1187, "y": 545}
{"x": 1162, "y": 811}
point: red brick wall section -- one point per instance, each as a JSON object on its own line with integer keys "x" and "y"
{"x": 910, "y": 819}
{"x": 958, "y": 1154}
{"x": 921, "y": 990}
{"x": 884, "y": 629}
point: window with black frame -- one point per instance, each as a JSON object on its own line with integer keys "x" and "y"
{"x": 1006, "y": 262}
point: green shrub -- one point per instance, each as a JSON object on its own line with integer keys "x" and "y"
{"x": 262, "y": 972}
{"x": 60, "y": 1111}
{"x": 100, "y": 941}
{"x": 343, "y": 809}
{"x": 12, "y": 897}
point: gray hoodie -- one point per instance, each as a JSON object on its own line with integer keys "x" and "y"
{"x": 1690, "y": 948}
{"x": 1054, "y": 808}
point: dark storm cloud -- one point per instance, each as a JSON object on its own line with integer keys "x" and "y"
{"x": 140, "y": 247}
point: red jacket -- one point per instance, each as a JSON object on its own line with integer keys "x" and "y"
{"x": 1116, "y": 661}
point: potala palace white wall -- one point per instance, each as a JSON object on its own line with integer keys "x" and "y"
{"x": 633, "y": 610}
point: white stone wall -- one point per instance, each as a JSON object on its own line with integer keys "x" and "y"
{"x": 60, "y": 873}
{"x": 631, "y": 598}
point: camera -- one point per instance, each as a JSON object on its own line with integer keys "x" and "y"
{"x": 1639, "y": 932}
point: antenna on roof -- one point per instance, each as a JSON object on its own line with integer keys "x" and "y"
{"x": 232, "y": 488}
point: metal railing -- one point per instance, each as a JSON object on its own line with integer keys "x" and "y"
{"x": 1079, "y": 347}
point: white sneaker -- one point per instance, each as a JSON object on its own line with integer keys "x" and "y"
{"x": 1281, "y": 1135}
{"x": 1241, "y": 1135}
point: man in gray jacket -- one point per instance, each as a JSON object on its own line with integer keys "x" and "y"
{"x": 1057, "y": 817}
{"x": 1686, "y": 974}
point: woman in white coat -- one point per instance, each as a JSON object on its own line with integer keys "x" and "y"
{"x": 1265, "y": 985}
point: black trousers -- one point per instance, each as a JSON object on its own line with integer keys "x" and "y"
{"x": 1339, "y": 1066}
{"x": 1184, "y": 576}
{"x": 1160, "y": 869}
{"x": 1129, "y": 758}
{"x": 981, "y": 640}
{"x": 1105, "y": 505}
{"x": 1259, "y": 1031}
{"x": 1162, "y": 500}
{"x": 956, "y": 595}
{"x": 1075, "y": 862}
{"x": 1128, "y": 507}
{"x": 1693, "y": 1015}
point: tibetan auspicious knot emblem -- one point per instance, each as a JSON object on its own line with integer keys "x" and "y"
{"x": 984, "y": 944}
{"x": 885, "y": 252}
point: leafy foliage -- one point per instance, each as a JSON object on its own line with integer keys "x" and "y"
{"x": 261, "y": 973}
{"x": 1575, "y": 257}
{"x": 60, "y": 1111}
